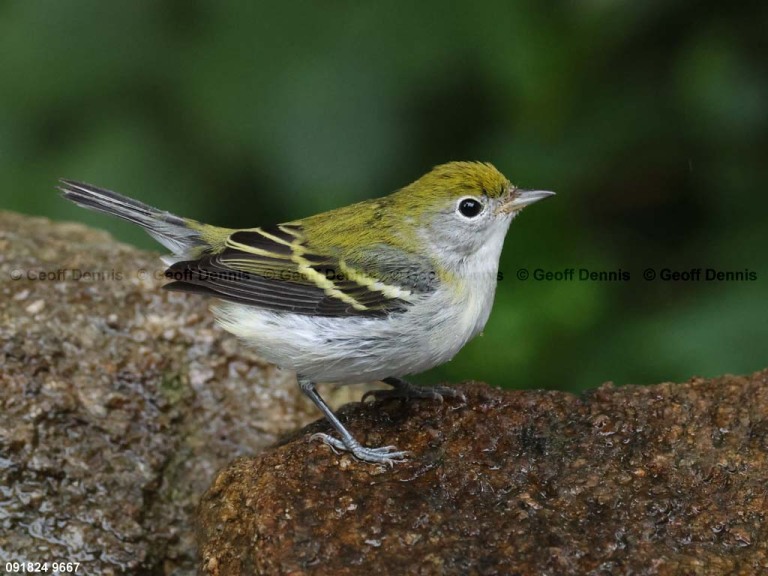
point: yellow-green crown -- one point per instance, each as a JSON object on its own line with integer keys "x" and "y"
{"x": 395, "y": 219}
{"x": 456, "y": 179}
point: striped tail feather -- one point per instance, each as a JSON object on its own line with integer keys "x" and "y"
{"x": 180, "y": 235}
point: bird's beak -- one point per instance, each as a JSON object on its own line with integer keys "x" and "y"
{"x": 519, "y": 199}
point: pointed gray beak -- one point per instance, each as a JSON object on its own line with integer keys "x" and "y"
{"x": 522, "y": 198}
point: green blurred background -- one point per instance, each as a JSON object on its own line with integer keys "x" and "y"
{"x": 650, "y": 120}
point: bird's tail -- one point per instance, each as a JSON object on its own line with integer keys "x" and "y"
{"x": 187, "y": 239}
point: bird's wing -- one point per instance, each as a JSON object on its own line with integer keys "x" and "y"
{"x": 275, "y": 269}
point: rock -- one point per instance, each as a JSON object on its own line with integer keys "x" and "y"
{"x": 667, "y": 479}
{"x": 119, "y": 401}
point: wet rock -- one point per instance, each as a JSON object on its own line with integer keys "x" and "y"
{"x": 118, "y": 402}
{"x": 659, "y": 480}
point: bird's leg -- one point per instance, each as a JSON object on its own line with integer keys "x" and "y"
{"x": 384, "y": 455}
{"x": 404, "y": 390}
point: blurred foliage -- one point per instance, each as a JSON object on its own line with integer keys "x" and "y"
{"x": 650, "y": 120}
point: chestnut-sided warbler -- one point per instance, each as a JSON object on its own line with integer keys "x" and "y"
{"x": 373, "y": 291}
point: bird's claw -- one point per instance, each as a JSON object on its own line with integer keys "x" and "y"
{"x": 411, "y": 392}
{"x": 382, "y": 455}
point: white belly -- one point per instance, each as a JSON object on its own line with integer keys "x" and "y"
{"x": 354, "y": 349}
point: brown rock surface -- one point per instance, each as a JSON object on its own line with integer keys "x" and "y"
{"x": 118, "y": 402}
{"x": 670, "y": 479}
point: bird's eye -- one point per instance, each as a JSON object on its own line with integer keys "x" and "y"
{"x": 470, "y": 207}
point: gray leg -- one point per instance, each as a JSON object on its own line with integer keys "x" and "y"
{"x": 404, "y": 390}
{"x": 384, "y": 455}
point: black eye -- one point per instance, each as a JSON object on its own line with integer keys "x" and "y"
{"x": 470, "y": 207}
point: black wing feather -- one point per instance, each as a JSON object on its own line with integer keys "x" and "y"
{"x": 256, "y": 269}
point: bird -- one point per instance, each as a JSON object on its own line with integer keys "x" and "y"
{"x": 378, "y": 290}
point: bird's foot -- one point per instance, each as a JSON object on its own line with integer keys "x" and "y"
{"x": 383, "y": 455}
{"x": 404, "y": 390}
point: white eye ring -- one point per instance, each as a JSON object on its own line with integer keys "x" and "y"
{"x": 469, "y": 207}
